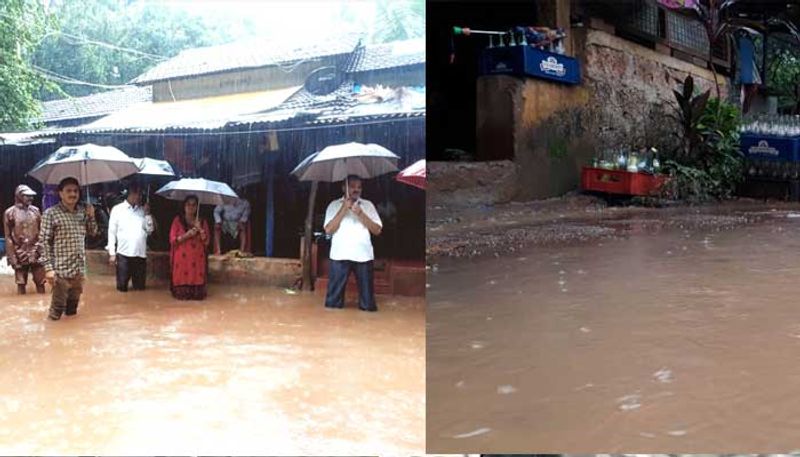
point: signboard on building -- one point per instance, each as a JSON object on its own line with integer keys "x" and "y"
{"x": 530, "y": 62}
{"x": 765, "y": 147}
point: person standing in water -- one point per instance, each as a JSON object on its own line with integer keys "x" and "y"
{"x": 21, "y": 224}
{"x": 63, "y": 236}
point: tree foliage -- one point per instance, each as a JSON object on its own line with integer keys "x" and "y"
{"x": 391, "y": 20}
{"x": 158, "y": 31}
{"x": 22, "y": 25}
{"x": 783, "y": 72}
{"x": 721, "y": 21}
{"x": 144, "y": 33}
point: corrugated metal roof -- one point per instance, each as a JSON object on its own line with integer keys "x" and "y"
{"x": 94, "y": 105}
{"x": 389, "y": 55}
{"x": 23, "y": 139}
{"x": 344, "y": 118}
{"x": 204, "y": 113}
{"x": 245, "y": 54}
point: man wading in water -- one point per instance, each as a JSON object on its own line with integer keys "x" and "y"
{"x": 63, "y": 237}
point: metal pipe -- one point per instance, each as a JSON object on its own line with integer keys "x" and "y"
{"x": 469, "y": 31}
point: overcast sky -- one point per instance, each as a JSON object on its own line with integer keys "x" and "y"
{"x": 298, "y": 19}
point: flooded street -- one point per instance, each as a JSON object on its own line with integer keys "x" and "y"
{"x": 667, "y": 339}
{"x": 249, "y": 370}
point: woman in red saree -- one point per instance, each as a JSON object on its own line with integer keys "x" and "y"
{"x": 188, "y": 239}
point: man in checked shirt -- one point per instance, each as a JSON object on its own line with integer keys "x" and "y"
{"x": 63, "y": 236}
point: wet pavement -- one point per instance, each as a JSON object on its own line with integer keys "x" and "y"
{"x": 248, "y": 371}
{"x": 664, "y": 338}
{"x": 495, "y": 230}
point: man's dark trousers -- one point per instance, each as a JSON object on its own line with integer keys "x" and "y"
{"x": 338, "y": 273}
{"x": 131, "y": 268}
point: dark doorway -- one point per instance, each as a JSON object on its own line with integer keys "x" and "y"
{"x": 451, "y": 86}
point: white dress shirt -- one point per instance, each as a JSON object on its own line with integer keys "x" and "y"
{"x": 128, "y": 228}
{"x": 352, "y": 241}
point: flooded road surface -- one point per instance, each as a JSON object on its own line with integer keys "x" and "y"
{"x": 676, "y": 341}
{"x": 248, "y": 371}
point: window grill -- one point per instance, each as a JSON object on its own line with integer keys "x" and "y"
{"x": 644, "y": 21}
{"x": 687, "y": 33}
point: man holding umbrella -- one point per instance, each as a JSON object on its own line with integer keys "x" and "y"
{"x": 64, "y": 229}
{"x": 128, "y": 227}
{"x": 351, "y": 220}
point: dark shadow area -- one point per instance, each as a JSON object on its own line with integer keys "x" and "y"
{"x": 451, "y": 104}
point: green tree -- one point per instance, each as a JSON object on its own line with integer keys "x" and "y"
{"x": 142, "y": 34}
{"x": 783, "y": 72}
{"x": 390, "y": 20}
{"x": 399, "y": 20}
{"x": 22, "y": 25}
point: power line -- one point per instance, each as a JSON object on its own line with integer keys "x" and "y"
{"x": 84, "y": 40}
{"x": 155, "y": 57}
{"x": 69, "y": 80}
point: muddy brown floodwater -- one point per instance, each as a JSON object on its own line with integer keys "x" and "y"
{"x": 683, "y": 341}
{"x": 248, "y": 371}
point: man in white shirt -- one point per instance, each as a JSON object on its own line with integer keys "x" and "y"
{"x": 234, "y": 221}
{"x": 352, "y": 221}
{"x": 128, "y": 227}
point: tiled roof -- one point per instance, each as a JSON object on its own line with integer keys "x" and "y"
{"x": 389, "y": 55}
{"x": 252, "y": 53}
{"x": 94, "y": 105}
{"x": 341, "y": 98}
{"x": 352, "y": 101}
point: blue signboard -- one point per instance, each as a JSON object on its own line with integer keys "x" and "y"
{"x": 525, "y": 60}
{"x": 767, "y": 147}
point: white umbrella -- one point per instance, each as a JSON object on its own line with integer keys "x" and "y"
{"x": 88, "y": 163}
{"x": 337, "y": 162}
{"x": 208, "y": 192}
{"x": 153, "y": 167}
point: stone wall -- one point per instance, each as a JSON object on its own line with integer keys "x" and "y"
{"x": 256, "y": 270}
{"x": 551, "y": 130}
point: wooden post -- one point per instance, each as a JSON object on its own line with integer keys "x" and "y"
{"x": 563, "y": 12}
{"x": 306, "y": 260}
{"x": 270, "y": 226}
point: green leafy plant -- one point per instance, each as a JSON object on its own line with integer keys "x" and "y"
{"x": 709, "y": 163}
{"x": 690, "y": 108}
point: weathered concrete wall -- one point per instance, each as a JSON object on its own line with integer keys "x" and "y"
{"x": 550, "y": 130}
{"x": 256, "y": 270}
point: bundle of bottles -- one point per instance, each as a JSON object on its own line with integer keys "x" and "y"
{"x": 785, "y": 126}
{"x": 544, "y": 38}
{"x": 773, "y": 169}
{"x": 643, "y": 160}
